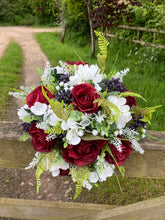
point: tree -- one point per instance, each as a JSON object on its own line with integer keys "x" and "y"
{"x": 88, "y": 4}
{"x": 108, "y": 13}
{"x": 62, "y": 21}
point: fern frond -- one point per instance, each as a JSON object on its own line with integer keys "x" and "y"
{"x": 80, "y": 176}
{"x": 146, "y": 112}
{"x": 49, "y": 87}
{"x": 44, "y": 164}
{"x": 127, "y": 94}
{"x": 56, "y": 129}
{"x": 78, "y": 190}
{"x": 102, "y": 56}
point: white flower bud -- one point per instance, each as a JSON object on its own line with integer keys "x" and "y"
{"x": 61, "y": 83}
{"x": 95, "y": 132}
{"x": 57, "y": 88}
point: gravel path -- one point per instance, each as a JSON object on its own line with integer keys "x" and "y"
{"x": 33, "y": 57}
{"x": 19, "y": 183}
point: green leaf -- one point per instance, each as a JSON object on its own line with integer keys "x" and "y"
{"x": 127, "y": 94}
{"x": 102, "y": 56}
{"x": 24, "y": 137}
{"x": 27, "y": 119}
{"x": 146, "y": 112}
{"x": 90, "y": 137}
{"x": 76, "y": 115}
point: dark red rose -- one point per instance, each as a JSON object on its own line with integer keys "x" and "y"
{"x": 76, "y": 63}
{"x": 37, "y": 96}
{"x": 64, "y": 172}
{"x": 39, "y": 139}
{"x": 83, "y": 154}
{"x": 83, "y": 96}
{"x": 130, "y": 100}
{"x": 120, "y": 157}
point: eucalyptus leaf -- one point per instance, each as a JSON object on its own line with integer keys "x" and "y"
{"x": 90, "y": 137}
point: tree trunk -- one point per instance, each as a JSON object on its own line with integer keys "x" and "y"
{"x": 62, "y": 21}
{"x": 87, "y": 2}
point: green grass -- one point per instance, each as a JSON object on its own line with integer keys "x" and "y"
{"x": 133, "y": 190}
{"x": 147, "y": 67}
{"x": 10, "y": 69}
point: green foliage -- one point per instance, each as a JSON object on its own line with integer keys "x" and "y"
{"x": 127, "y": 94}
{"x": 76, "y": 19}
{"x": 16, "y": 12}
{"x": 44, "y": 164}
{"x": 45, "y": 11}
{"x": 80, "y": 174}
{"x": 108, "y": 108}
{"x": 146, "y": 112}
{"x": 148, "y": 14}
{"x": 102, "y": 56}
{"x": 10, "y": 74}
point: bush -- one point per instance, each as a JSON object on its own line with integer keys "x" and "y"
{"x": 76, "y": 18}
{"x": 45, "y": 11}
{"x": 13, "y": 11}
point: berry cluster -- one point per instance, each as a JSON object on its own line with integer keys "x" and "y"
{"x": 137, "y": 123}
{"x": 113, "y": 85}
{"x": 65, "y": 95}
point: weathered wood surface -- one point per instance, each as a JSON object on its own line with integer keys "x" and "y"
{"x": 48, "y": 210}
{"x": 15, "y": 154}
{"x": 153, "y": 209}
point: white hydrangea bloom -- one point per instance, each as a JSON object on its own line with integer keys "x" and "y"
{"x": 22, "y": 112}
{"x": 85, "y": 73}
{"x": 39, "y": 108}
{"x": 102, "y": 172}
{"x": 72, "y": 135}
{"x": 50, "y": 117}
{"x": 55, "y": 168}
{"x": 125, "y": 115}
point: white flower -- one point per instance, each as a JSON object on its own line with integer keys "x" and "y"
{"x": 57, "y": 88}
{"x": 95, "y": 132}
{"x": 99, "y": 117}
{"x": 85, "y": 73}
{"x": 22, "y": 112}
{"x": 72, "y": 135}
{"x": 125, "y": 115}
{"x": 102, "y": 172}
{"x": 39, "y": 108}
{"x": 61, "y": 83}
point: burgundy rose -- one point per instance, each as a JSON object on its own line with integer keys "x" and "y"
{"x": 76, "y": 63}
{"x": 83, "y": 96}
{"x": 39, "y": 139}
{"x": 120, "y": 157}
{"x": 37, "y": 96}
{"x": 64, "y": 172}
{"x": 83, "y": 154}
{"x": 130, "y": 100}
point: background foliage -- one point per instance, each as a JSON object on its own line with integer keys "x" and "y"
{"x": 28, "y": 12}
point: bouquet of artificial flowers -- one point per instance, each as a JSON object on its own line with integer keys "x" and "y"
{"x": 83, "y": 122}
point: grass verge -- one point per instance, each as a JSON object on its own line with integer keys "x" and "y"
{"x": 147, "y": 67}
{"x": 10, "y": 69}
{"x": 133, "y": 190}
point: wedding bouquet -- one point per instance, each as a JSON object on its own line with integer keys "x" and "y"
{"x": 83, "y": 122}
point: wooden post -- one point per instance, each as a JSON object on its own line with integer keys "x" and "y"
{"x": 154, "y": 38}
